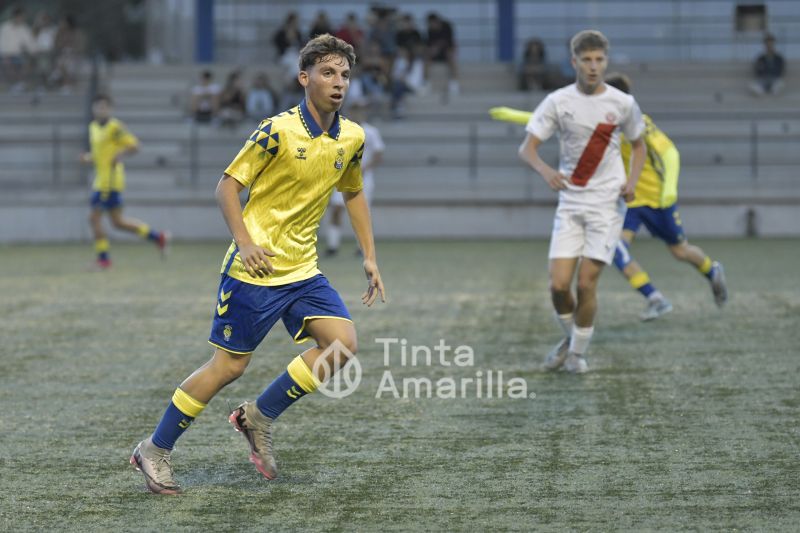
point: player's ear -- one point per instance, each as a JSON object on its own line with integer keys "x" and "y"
{"x": 302, "y": 77}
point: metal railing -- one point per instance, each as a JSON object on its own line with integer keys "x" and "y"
{"x": 200, "y": 153}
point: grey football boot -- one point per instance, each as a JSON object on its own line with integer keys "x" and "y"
{"x": 257, "y": 429}
{"x": 156, "y": 466}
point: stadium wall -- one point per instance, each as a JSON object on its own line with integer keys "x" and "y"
{"x": 67, "y": 222}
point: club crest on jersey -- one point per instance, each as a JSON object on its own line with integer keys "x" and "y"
{"x": 227, "y": 331}
{"x": 611, "y": 118}
{"x": 301, "y": 153}
{"x": 339, "y": 159}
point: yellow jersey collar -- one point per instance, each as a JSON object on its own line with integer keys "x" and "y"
{"x": 312, "y": 128}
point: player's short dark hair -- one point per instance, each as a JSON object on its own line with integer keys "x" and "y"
{"x": 323, "y": 46}
{"x": 619, "y": 81}
{"x": 102, "y": 97}
{"x": 588, "y": 40}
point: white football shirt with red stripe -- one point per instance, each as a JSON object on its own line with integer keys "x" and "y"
{"x": 588, "y": 128}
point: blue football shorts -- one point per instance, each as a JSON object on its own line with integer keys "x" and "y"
{"x": 664, "y": 224}
{"x": 245, "y": 312}
{"x": 106, "y": 200}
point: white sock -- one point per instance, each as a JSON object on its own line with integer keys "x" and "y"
{"x": 565, "y": 321}
{"x": 579, "y": 340}
{"x": 655, "y": 296}
{"x": 334, "y": 237}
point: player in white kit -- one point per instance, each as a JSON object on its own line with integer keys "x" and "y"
{"x": 588, "y": 117}
{"x": 373, "y": 155}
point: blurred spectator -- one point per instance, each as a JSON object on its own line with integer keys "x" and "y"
{"x": 261, "y": 99}
{"x": 44, "y": 34}
{"x": 204, "y": 105}
{"x": 69, "y": 49}
{"x": 441, "y": 48}
{"x": 408, "y": 36}
{"x": 375, "y": 73}
{"x": 351, "y": 32}
{"x": 382, "y": 30}
{"x": 232, "y": 100}
{"x": 533, "y": 70}
{"x": 320, "y": 25}
{"x": 768, "y": 69}
{"x": 17, "y": 46}
{"x": 408, "y": 77}
{"x": 288, "y": 36}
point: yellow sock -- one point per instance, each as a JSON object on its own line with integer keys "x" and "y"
{"x": 101, "y": 245}
{"x": 705, "y": 268}
{"x": 298, "y": 370}
{"x": 186, "y": 404}
{"x": 639, "y": 280}
{"x": 143, "y": 231}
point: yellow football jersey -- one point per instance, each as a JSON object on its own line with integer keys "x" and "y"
{"x": 291, "y": 167}
{"x": 658, "y": 182}
{"x": 106, "y": 141}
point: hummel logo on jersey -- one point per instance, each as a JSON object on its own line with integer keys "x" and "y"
{"x": 301, "y": 153}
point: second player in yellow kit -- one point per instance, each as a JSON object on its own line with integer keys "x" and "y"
{"x": 110, "y": 141}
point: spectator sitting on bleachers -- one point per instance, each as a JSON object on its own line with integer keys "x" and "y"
{"x": 232, "y": 100}
{"x": 441, "y": 48}
{"x": 408, "y": 77}
{"x": 375, "y": 72}
{"x": 768, "y": 69}
{"x": 69, "y": 48}
{"x": 533, "y": 71}
{"x": 320, "y": 25}
{"x": 16, "y": 48}
{"x": 44, "y": 34}
{"x": 261, "y": 98}
{"x": 382, "y": 30}
{"x": 351, "y": 32}
{"x": 204, "y": 104}
{"x": 288, "y": 38}
{"x": 408, "y": 36}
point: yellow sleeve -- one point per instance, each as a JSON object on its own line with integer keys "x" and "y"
{"x": 124, "y": 138}
{"x": 672, "y": 168}
{"x": 351, "y": 180}
{"x": 508, "y": 114}
{"x": 256, "y": 154}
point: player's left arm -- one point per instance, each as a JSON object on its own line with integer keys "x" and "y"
{"x": 127, "y": 142}
{"x": 358, "y": 211}
{"x": 634, "y": 128}
{"x": 638, "y": 155}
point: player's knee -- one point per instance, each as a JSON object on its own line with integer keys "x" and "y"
{"x": 117, "y": 222}
{"x": 230, "y": 367}
{"x": 559, "y": 287}
{"x": 586, "y": 286}
{"x": 345, "y": 339}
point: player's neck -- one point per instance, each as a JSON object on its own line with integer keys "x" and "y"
{"x": 590, "y": 90}
{"x": 324, "y": 120}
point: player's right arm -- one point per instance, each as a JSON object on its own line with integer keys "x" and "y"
{"x": 254, "y": 258}
{"x": 529, "y": 152}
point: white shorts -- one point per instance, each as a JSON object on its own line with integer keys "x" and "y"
{"x": 369, "y": 186}
{"x": 587, "y": 232}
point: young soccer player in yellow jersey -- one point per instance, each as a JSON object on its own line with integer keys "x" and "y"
{"x": 655, "y": 207}
{"x": 110, "y": 142}
{"x": 291, "y": 165}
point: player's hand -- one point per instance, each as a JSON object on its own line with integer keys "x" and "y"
{"x": 375, "y": 286}
{"x": 256, "y": 260}
{"x": 628, "y": 192}
{"x": 556, "y": 180}
{"x": 86, "y": 158}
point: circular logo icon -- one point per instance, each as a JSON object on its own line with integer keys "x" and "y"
{"x": 339, "y": 371}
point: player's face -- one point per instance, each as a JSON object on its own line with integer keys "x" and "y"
{"x": 590, "y": 65}
{"x": 101, "y": 110}
{"x": 326, "y": 82}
